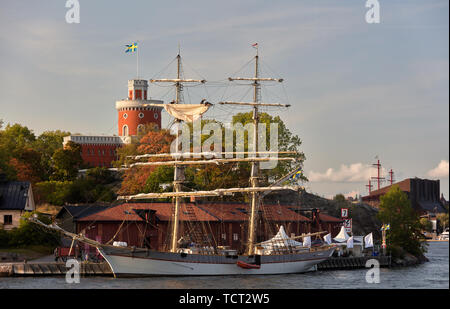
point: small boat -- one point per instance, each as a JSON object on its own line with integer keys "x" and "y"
{"x": 248, "y": 265}
{"x": 443, "y": 235}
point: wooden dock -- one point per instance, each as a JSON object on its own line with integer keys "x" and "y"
{"x": 52, "y": 269}
{"x": 352, "y": 262}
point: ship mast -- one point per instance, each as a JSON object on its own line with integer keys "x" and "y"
{"x": 179, "y": 169}
{"x": 254, "y": 176}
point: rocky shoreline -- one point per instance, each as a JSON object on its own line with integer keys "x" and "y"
{"x": 408, "y": 259}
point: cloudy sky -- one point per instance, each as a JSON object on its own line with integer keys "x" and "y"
{"x": 357, "y": 90}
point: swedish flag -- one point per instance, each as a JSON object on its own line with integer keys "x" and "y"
{"x": 297, "y": 175}
{"x": 131, "y": 47}
{"x": 385, "y": 227}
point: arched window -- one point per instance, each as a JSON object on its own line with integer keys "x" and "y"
{"x": 140, "y": 127}
{"x": 125, "y": 130}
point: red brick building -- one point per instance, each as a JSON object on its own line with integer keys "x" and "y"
{"x": 97, "y": 150}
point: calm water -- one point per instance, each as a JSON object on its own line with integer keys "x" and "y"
{"x": 432, "y": 275}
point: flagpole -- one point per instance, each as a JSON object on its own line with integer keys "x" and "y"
{"x": 137, "y": 59}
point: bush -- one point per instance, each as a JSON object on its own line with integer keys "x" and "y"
{"x": 53, "y": 192}
{"x": 28, "y": 233}
{"x": 4, "y": 238}
{"x": 89, "y": 189}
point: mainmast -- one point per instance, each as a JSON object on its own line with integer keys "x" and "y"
{"x": 254, "y": 176}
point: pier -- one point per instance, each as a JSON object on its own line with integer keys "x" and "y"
{"x": 52, "y": 269}
{"x": 352, "y": 262}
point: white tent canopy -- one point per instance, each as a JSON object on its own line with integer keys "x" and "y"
{"x": 342, "y": 236}
{"x": 280, "y": 240}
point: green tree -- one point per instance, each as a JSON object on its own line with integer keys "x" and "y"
{"x": 52, "y": 192}
{"x": 340, "y": 198}
{"x": 46, "y": 144}
{"x": 427, "y": 226}
{"x": 443, "y": 220}
{"x": 15, "y": 138}
{"x": 405, "y": 227}
{"x": 100, "y": 175}
{"x": 66, "y": 162}
{"x": 86, "y": 190}
{"x": 287, "y": 141}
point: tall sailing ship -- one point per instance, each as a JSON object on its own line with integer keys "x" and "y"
{"x": 280, "y": 255}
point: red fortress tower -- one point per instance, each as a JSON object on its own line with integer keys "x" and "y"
{"x": 100, "y": 150}
{"x": 133, "y": 112}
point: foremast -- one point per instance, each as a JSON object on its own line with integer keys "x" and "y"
{"x": 179, "y": 170}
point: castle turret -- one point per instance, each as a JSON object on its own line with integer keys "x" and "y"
{"x": 132, "y": 112}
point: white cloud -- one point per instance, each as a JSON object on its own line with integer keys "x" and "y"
{"x": 353, "y": 194}
{"x": 356, "y": 172}
{"x": 440, "y": 171}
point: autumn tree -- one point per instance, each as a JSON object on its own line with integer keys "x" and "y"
{"x": 144, "y": 179}
{"x": 27, "y": 165}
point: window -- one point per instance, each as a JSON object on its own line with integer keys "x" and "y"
{"x": 155, "y": 115}
{"x": 7, "y": 219}
{"x": 138, "y": 94}
{"x": 235, "y": 236}
{"x": 224, "y": 236}
{"x": 140, "y": 127}
{"x": 141, "y": 115}
{"x": 125, "y": 130}
{"x": 125, "y": 116}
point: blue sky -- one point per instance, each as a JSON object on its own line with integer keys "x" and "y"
{"x": 357, "y": 90}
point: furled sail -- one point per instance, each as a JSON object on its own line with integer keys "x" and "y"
{"x": 187, "y": 112}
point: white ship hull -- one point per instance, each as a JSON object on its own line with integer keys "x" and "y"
{"x": 171, "y": 265}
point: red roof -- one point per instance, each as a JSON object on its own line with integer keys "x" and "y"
{"x": 188, "y": 212}
{"x": 240, "y": 212}
{"x": 404, "y": 185}
{"x": 282, "y": 213}
{"x": 201, "y": 212}
{"x": 328, "y": 218}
